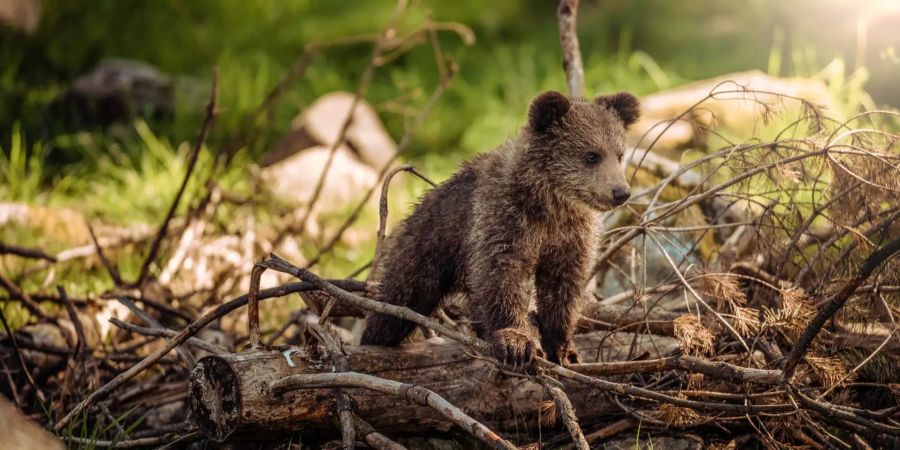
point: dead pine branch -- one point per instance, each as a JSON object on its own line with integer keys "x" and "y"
{"x": 112, "y": 270}
{"x": 279, "y": 264}
{"x": 154, "y": 324}
{"x": 166, "y": 333}
{"x": 835, "y": 303}
{"x": 566, "y": 412}
{"x": 81, "y": 343}
{"x": 716, "y": 369}
{"x": 610, "y": 430}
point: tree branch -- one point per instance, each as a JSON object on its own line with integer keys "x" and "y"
{"x": 567, "y": 13}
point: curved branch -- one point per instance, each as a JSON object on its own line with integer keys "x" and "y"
{"x": 412, "y": 394}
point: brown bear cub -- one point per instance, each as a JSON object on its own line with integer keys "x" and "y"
{"x": 518, "y": 221}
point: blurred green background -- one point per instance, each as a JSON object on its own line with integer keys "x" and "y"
{"x": 639, "y": 45}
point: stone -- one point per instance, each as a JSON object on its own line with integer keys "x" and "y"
{"x": 116, "y": 91}
{"x": 321, "y": 123}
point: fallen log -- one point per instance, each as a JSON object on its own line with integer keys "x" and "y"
{"x": 232, "y": 395}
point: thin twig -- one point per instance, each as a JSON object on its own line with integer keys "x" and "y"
{"x": 278, "y": 264}
{"x": 18, "y": 353}
{"x": 716, "y": 369}
{"x": 166, "y": 333}
{"x": 835, "y": 412}
{"x": 253, "y": 305}
{"x": 34, "y": 253}
{"x": 610, "y": 430}
{"x": 364, "y": 83}
{"x": 111, "y": 269}
{"x": 22, "y": 296}
{"x": 150, "y": 304}
{"x": 192, "y": 162}
{"x": 404, "y": 143}
{"x": 343, "y": 404}
{"x": 150, "y": 320}
{"x": 383, "y": 213}
{"x": 76, "y": 323}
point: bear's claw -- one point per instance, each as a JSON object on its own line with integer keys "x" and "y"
{"x": 515, "y": 348}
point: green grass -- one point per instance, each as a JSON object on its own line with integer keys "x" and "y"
{"x": 22, "y": 167}
{"x": 117, "y": 181}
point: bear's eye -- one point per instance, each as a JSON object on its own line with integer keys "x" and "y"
{"x": 592, "y": 157}
{"x": 620, "y": 157}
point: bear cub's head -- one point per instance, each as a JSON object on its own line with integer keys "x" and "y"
{"x": 579, "y": 145}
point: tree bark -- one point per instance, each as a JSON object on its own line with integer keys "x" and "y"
{"x": 230, "y": 394}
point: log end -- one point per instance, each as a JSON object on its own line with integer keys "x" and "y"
{"x": 215, "y": 398}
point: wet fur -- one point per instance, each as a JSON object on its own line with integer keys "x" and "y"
{"x": 518, "y": 221}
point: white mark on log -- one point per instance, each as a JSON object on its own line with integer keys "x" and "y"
{"x": 287, "y": 356}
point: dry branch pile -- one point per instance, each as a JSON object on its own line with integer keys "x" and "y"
{"x": 745, "y": 297}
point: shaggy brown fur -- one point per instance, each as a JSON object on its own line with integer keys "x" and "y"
{"x": 520, "y": 220}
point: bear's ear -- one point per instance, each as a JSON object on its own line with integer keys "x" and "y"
{"x": 624, "y": 104}
{"x": 546, "y": 109}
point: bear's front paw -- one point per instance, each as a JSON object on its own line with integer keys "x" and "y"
{"x": 515, "y": 347}
{"x": 563, "y": 353}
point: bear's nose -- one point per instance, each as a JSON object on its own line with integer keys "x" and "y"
{"x": 621, "y": 195}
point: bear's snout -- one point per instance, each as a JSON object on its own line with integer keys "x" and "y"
{"x": 621, "y": 195}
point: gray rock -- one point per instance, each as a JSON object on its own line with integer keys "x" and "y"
{"x": 117, "y": 90}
